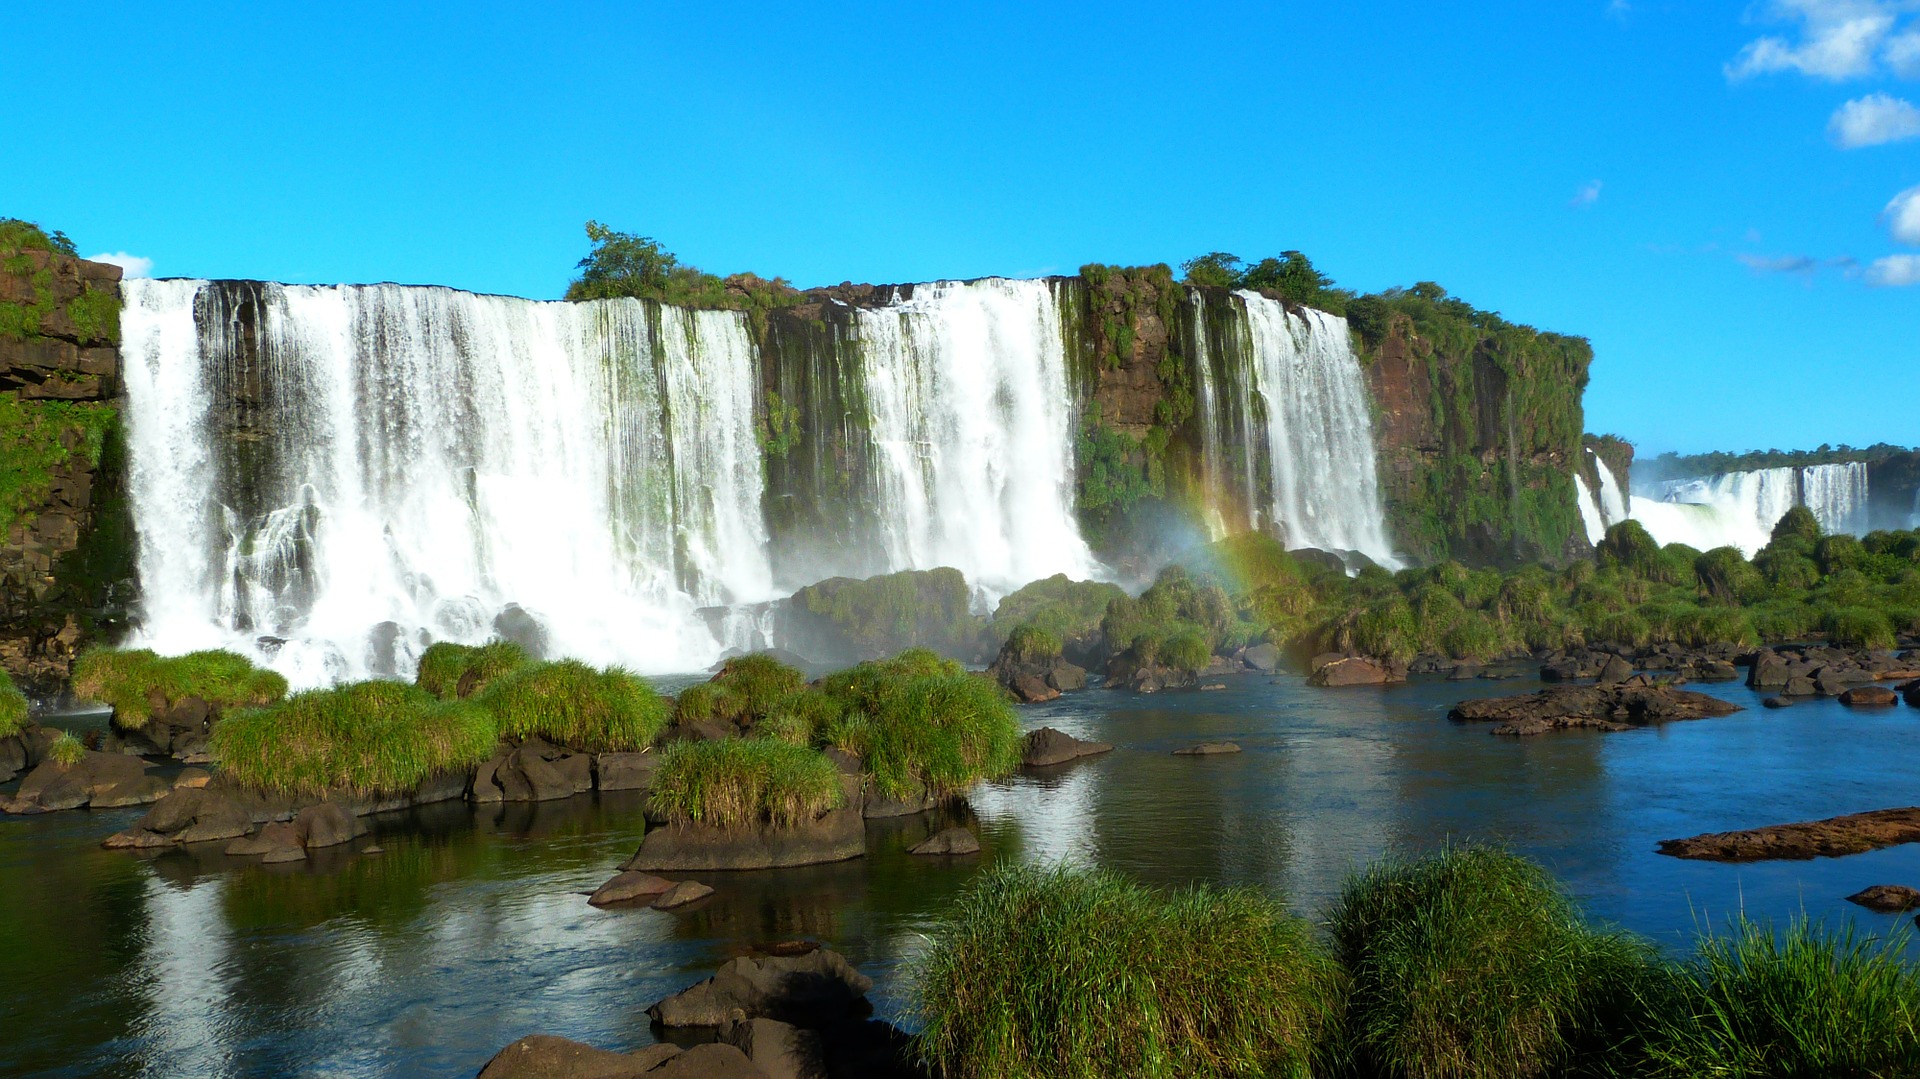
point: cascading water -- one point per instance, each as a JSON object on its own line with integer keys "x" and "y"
{"x": 1288, "y": 391}
{"x": 1613, "y": 500}
{"x": 1590, "y": 518}
{"x": 1837, "y": 495}
{"x": 1739, "y": 509}
{"x": 332, "y": 477}
{"x": 972, "y": 421}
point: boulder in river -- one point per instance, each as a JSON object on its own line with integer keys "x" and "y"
{"x": 1207, "y": 749}
{"x": 542, "y": 1056}
{"x": 1356, "y": 671}
{"x": 1605, "y": 708}
{"x": 627, "y": 886}
{"x": 949, "y": 841}
{"x": 102, "y": 780}
{"x": 625, "y": 771}
{"x": 1887, "y": 898}
{"x": 1047, "y": 747}
{"x": 1832, "y": 837}
{"x": 681, "y": 894}
{"x": 1869, "y": 697}
{"x": 811, "y": 989}
{"x": 688, "y": 846}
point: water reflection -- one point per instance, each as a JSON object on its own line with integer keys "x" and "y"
{"x": 472, "y": 929}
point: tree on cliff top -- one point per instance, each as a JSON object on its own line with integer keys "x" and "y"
{"x": 623, "y": 264}
{"x": 1291, "y": 276}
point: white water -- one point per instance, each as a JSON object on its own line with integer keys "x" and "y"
{"x": 972, "y": 418}
{"x": 1613, "y": 500}
{"x": 1739, "y": 509}
{"x": 1304, "y": 400}
{"x": 1590, "y": 518}
{"x": 437, "y": 456}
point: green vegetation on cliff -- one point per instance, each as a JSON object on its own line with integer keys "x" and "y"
{"x": 1290, "y": 277}
{"x": 1672, "y": 465}
{"x": 881, "y": 615}
{"x": 36, "y": 439}
{"x": 27, "y": 251}
{"x": 136, "y": 681}
{"x": 622, "y": 264}
{"x": 13, "y": 707}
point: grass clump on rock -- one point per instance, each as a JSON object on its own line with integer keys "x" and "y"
{"x": 1474, "y": 963}
{"x": 13, "y": 707}
{"x": 571, "y": 704}
{"x": 1803, "y": 1001}
{"x": 66, "y": 750}
{"x": 922, "y": 727}
{"x": 129, "y": 680}
{"x": 371, "y": 737}
{"x": 743, "y": 782}
{"x": 1041, "y": 973}
{"x": 449, "y": 670}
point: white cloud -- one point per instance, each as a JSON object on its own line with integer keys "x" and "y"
{"x": 1588, "y": 194}
{"x": 1894, "y": 271}
{"x": 1840, "y": 40}
{"x": 1872, "y": 120}
{"x": 1902, "y": 216}
{"x": 130, "y": 265}
{"x": 1903, "y": 53}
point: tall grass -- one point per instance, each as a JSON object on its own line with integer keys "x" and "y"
{"x": 367, "y": 737}
{"x": 1473, "y": 963}
{"x": 449, "y": 670}
{"x": 753, "y": 684}
{"x": 13, "y": 707}
{"x": 1068, "y": 974}
{"x": 130, "y": 679}
{"x": 738, "y": 782}
{"x": 571, "y": 704}
{"x": 930, "y": 735}
{"x": 1805, "y": 1001}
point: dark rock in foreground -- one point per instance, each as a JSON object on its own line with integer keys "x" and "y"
{"x": 1635, "y": 703}
{"x": 950, "y": 841}
{"x": 1047, "y": 747}
{"x": 542, "y": 1056}
{"x": 1887, "y": 898}
{"x": 1870, "y": 697}
{"x": 813, "y": 989}
{"x": 1832, "y": 837}
{"x": 835, "y": 837}
{"x": 101, "y": 780}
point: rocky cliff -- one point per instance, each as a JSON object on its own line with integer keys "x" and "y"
{"x": 66, "y": 558}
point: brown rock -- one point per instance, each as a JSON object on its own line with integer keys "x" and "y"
{"x": 1605, "y": 708}
{"x": 807, "y": 990}
{"x": 949, "y": 841}
{"x": 542, "y": 1056}
{"x": 280, "y": 837}
{"x": 1032, "y": 689}
{"x": 1354, "y": 671}
{"x": 1047, "y": 747}
{"x": 628, "y": 886}
{"x": 1207, "y": 749}
{"x": 1888, "y": 898}
{"x": 625, "y": 771}
{"x": 692, "y": 847}
{"x": 1869, "y": 697}
{"x": 327, "y": 825}
{"x": 1832, "y": 837}
{"x": 191, "y": 778}
{"x": 681, "y": 894}
{"x": 1616, "y": 669}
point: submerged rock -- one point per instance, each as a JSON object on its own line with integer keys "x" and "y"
{"x": 627, "y": 886}
{"x": 103, "y": 780}
{"x": 1047, "y": 747}
{"x": 1208, "y": 749}
{"x": 681, "y": 894}
{"x": 1832, "y": 837}
{"x": 1887, "y": 898}
{"x": 949, "y": 841}
{"x": 835, "y": 837}
{"x": 813, "y": 989}
{"x": 1605, "y": 708}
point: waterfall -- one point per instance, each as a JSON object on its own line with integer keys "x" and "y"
{"x": 331, "y": 478}
{"x": 1837, "y": 495}
{"x": 971, "y": 417}
{"x": 1590, "y": 518}
{"x": 1287, "y": 427}
{"x": 1613, "y": 500}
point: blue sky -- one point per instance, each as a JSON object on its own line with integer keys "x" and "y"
{"x": 1684, "y": 183}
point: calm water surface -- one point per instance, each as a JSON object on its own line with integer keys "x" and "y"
{"x": 472, "y": 929}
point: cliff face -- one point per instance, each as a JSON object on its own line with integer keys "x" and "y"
{"x": 1893, "y": 485}
{"x": 65, "y": 531}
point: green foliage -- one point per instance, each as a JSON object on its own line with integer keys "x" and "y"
{"x": 742, "y": 782}
{"x": 17, "y": 236}
{"x": 751, "y": 686}
{"x": 780, "y": 428}
{"x": 622, "y": 264}
{"x": 1116, "y": 473}
{"x": 1859, "y": 627}
{"x": 1291, "y": 277}
{"x": 910, "y": 609}
{"x": 449, "y": 670}
{"x": 36, "y": 438}
{"x": 1708, "y": 464}
{"x": 574, "y": 705}
{"x": 1473, "y": 963}
{"x": 1187, "y": 650}
{"x": 698, "y": 703}
{"x": 1802, "y": 1001}
{"x": 1065, "y": 608}
{"x": 1176, "y": 604}
{"x": 1798, "y": 523}
{"x": 922, "y": 727}
{"x": 1032, "y": 644}
{"x": 130, "y": 680}
{"x": 1069, "y": 974}
{"x": 13, "y": 707}
{"x": 66, "y": 750}
{"x": 372, "y": 737}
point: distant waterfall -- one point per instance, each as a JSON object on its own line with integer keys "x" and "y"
{"x": 1591, "y": 521}
{"x": 972, "y": 421}
{"x": 1288, "y": 436}
{"x": 333, "y": 477}
{"x": 1597, "y": 514}
{"x": 1739, "y": 509}
{"x": 1613, "y": 500}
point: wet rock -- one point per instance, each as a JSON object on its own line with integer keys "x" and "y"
{"x": 1356, "y": 671}
{"x": 1887, "y": 898}
{"x": 278, "y": 841}
{"x": 327, "y": 825}
{"x": 542, "y": 1056}
{"x": 1869, "y": 697}
{"x": 814, "y": 989}
{"x": 625, "y": 887}
{"x": 949, "y": 841}
{"x": 1616, "y": 669}
{"x": 1264, "y": 658}
{"x": 688, "y": 846}
{"x": 533, "y": 771}
{"x": 1769, "y": 671}
{"x": 1832, "y": 837}
{"x": 1207, "y": 749}
{"x": 191, "y": 778}
{"x": 137, "y": 839}
{"x": 625, "y": 771}
{"x": 103, "y": 779}
{"x": 1911, "y": 692}
{"x": 1032, "y": 689}
{"x": 1799, "y": 686}
{"x": 877, "y": 806}
{"x": 681, "y": 894}
{"x": 1464, "y": 671}
{"x": 781, "y": 1050}
{"x": 1605, "y": 708}
{"x": 1047, "y": 747}
{"x": 1778, "y": 702}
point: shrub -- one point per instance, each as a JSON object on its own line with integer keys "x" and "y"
{"x": 1858, "y": 627}
{"x": 1066, "y": 608}
{"x": 925, "y": 735}
{"x": 1628, "y": 546}
{"x": 1804, "y": 1001}
{"x": 1069, "y": 973}
{"x": 1472, "y": 962}
{"x": 910, "y": 609}
{"x": 1030, "y": 643}
{"x": 1798, "y": 523}
{"x": 752, "y": 685}
{"x": 1474, "y": 636}
{"x": 66, "y": 750}
{"x": 698, "y": 703}
{"x": 864, "y": 685}
{"x": 13, "y": 707}
{"x": 740, "y": 782}
{"x": 128, "y": 680}
{"x": 372, "y": 737}
{"x": 1621, "y": 627}
{"x": 1784, "y": 620}
{"x": 1702, "y": 626}
{"x": 1186, "y": 651}
{"x": 1726, "y": 575}
{"x": 449, "y": 670}
{"x": 571, "y": 704}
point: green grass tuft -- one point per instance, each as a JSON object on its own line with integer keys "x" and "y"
{"x": 13, "y": 707}
{"x": 740, "y": 782}
{"x": 373, "y": 737}
{"x": 925, "y": 735}
{"x": 752, "y": 685}
{"x": 130, "y": 680}
{"x": 66, "y": 750}
{"x": 571, "y": 704}
{"x": 1473, "y": 963}
{"x": 449, "y": 670}
{"x": 1082, "y": 975}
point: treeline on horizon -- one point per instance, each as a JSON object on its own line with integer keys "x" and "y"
{"x": 1671, "y": 465}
